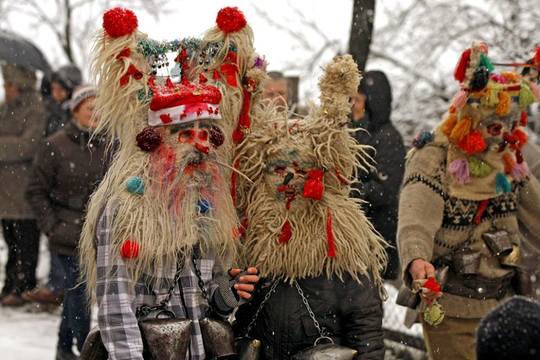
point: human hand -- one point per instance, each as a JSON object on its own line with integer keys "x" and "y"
{"x": 246, "y": 281}
{"x": 421, "y": 271}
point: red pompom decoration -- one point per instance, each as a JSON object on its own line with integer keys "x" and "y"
{"x": 230, "y": 19}
{"x": 521, "y": 138}
{"x": 473, "y": 143}
{"x": 314, "y": 186}
{"x": 536, "y": 59}
{"x": 149, "y": 139}
{"x": 119, "y": 22}
{"x": 524, "y": 119}
{"x": 129, "y": 249}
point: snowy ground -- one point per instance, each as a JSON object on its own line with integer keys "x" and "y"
{"x": 26, "y": 334}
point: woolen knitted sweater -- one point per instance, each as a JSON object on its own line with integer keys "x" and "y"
{"x": 433, "y": 224}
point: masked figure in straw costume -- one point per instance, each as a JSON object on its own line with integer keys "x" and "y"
{"x": 161, "y": 228}
{"x": 311, "y": 243}
{"x": 466, "y": 188}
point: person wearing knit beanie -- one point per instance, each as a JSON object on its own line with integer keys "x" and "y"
{"x": 80, "y": 94}
{"x": 511, "y": 331}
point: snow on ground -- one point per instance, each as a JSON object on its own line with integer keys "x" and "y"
{"x": 29, "y": 335}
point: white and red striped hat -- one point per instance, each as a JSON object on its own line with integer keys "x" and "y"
{"x": 182, "y": 103}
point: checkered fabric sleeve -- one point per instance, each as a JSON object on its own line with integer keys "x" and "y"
{"x": 115, "y": 295}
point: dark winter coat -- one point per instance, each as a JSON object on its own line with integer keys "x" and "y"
{"x": 380, "y": 188}
{"x": 22, "y": 123}
{"x": 350, "y": 312}
{"x": 66, "y": 170}
{"x": 58, "y": 115}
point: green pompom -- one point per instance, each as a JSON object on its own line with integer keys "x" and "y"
{"x": 479, "y": 168}
{"x": 526, "y": 96}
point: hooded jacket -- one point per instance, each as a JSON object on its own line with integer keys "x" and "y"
{"x": 69, "y": 77}
{"x": 67, "y": 168}
{"x": 380, "y": 187}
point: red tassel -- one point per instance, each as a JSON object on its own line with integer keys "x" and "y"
{"x": 286, "y": 233}
{"x": 480, "y": 211}
{"x": 519, "y": 156}
{"x": 537, "y": 57}
{"x": 132, "y": 71}
{"x": 524, "y": 119}
{"x": 229, "y": 71}
{"x": 314, "y": 186}
{"x": 461, "y": 66}
{"x": 244, "y": 122}
{"x": 330, "y": 235}
{"x": 125, "y": 53}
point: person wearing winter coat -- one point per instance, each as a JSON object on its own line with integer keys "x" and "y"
{"x": 66, "y": 170}
{"x": 467, "y": 189}
{"x": 379, "y": 186}
{"x": 62, "y": 84}
{"x": 57, "y": 90}
{"x": 319, "y": 257}
{"x": 21, "y": 129}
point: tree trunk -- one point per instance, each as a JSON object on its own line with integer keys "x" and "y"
{"x": 361, "y": 31}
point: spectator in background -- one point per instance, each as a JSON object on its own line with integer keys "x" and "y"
{"x": 66, "y": 170}
{"x": 380, "y": 187}
{"x": 510, "y": 331}
{"x": 277, "y": 88}
{"x": 21, "y": 128}
{"x": 62, "y": 83}
{"x": 57, "y": 90}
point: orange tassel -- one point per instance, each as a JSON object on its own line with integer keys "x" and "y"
{"x": 462, "y": 128}
{"x": 503, "y": 107}
{"x": 509, "y": 163}
{"x": 449, "y": 123}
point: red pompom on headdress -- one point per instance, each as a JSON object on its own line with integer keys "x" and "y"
{"x": 536, "y": 58}
{"x": 119, "y": 22}
{"x": 230, "y": 19}
{"x": 461, "y": 66}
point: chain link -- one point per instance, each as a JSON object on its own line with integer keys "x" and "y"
{"x": 261, "y": 305}
{"x": 322, "y": 330}
{"x": 199, "y": 276}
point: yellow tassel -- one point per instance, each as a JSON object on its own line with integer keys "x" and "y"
{"x": 462, "y": 128}
{"x": 449, "y": 123}
{"x": 503, "y": 107}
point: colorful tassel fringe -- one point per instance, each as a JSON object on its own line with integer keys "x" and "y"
{"x": 479, "y": 168}
{"x": 459, "y": 169}
{"x": 462, "y": 128}
{"x": 502, "y": 184}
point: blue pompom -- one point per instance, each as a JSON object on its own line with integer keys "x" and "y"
{"x": 423, "y": 138}
{"x": 204, "y": 206}
{"x": 503, "y": 185}
{"x": 135, "y": 185}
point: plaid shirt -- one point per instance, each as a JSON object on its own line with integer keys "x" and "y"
{"x": 118, "y": 297}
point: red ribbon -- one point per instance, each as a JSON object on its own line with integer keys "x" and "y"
{"x": 286, "y": 233}
{"x": 244, "y": 122}
{"x": 480, "y": 211}
{"x": 330, "y": 235}
{"x": 132, "y": 71}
